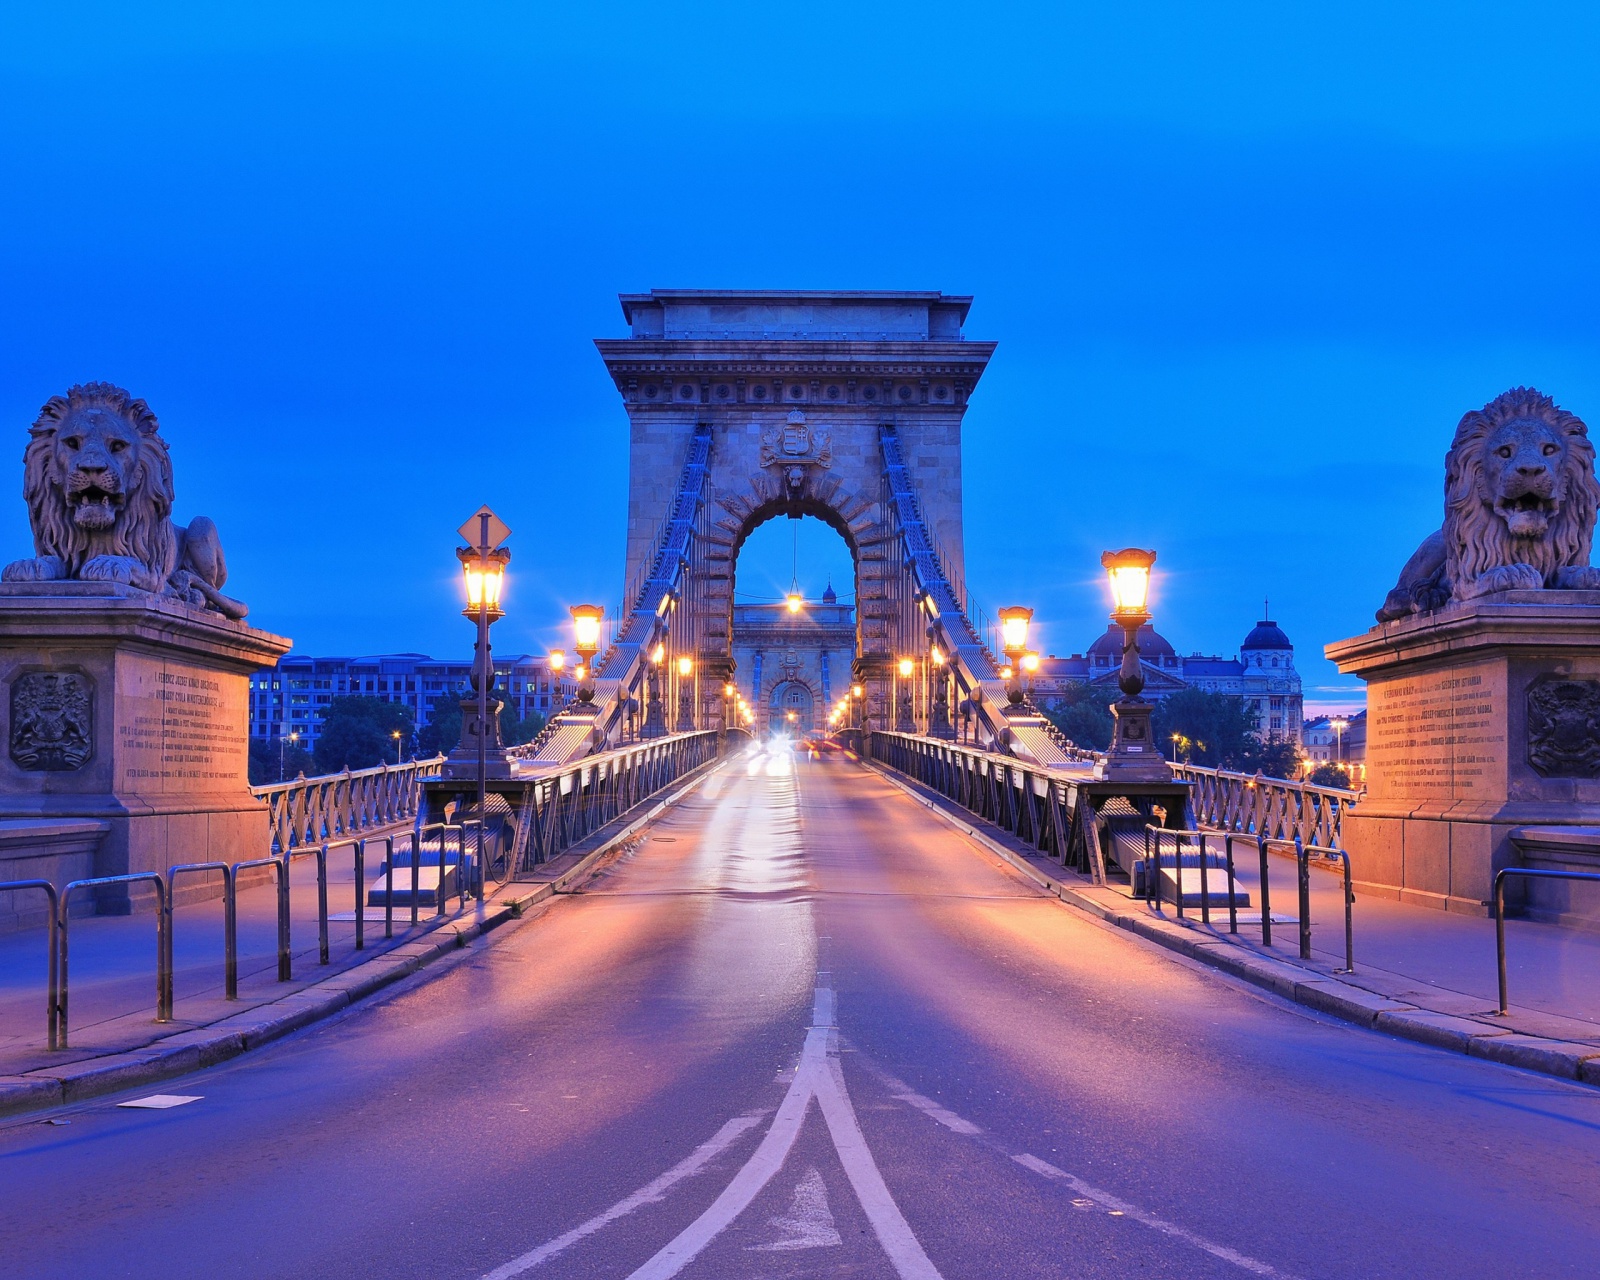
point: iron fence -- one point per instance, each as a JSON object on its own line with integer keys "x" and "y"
{"x": 561, "y": 809}
{"x": 335, "y": 806}
{"x": 1273, "y": 808}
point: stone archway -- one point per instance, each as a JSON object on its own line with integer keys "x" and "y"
{"x": 794, "y": 698}
{"x": 744, "y": 406}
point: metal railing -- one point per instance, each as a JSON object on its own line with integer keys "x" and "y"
{"x": 331, "y": 806}
{"x": 1023, "y": 799}
{"x": 52, "y": 924}
{"x": 1527, "y": 873}
{"x": 163, "y": 942}
{"x": 1277, "y": 808}
{"x": 566, "y": 807}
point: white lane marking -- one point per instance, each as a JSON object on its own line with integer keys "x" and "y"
{"x": 756, "y": 1173}
{"x": 650, "y": 1193}
{"x": 1045, "y": 1169}
{"x": 809, "y": 1222}
{"x": 818, "y": 1076}
{"x": 1121, "y": 1208}
{"x": 893, "y": 1231}
{"x": 949, "y": 1119}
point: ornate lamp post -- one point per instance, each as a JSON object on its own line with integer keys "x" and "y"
{"x": 858, "y": 693}
{"x": 1014, "y": 638}
{"x": 685, "y": 694}
{"x": 655, "y": 716}
{"x": 483, "y": 568}
{"x": 586, "y": 620}
{"x": 939, "y": 725}
{"x": 904, "y": 722}
{"x": 1133, "y": 755}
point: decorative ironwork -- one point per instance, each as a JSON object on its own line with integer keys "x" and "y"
{"x": 308, "y": 811}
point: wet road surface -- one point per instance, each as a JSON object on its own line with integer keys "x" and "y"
{"x": 807, "y": 1029}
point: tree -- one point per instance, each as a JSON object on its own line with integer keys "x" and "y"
{"x": 357, "y": 733}
{"x": 265, "y": 758}
{"x": 1082, "y": 713}
{"x": 1213, "y": 729}
{"x": 443, "y": 730}
{"x": 1328, "y": 774}
{"x": 1275, "y": 758}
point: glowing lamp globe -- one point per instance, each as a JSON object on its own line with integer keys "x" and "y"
{"x": 586, "y": 627}
{"x": 1014, "y": 628}
{"x": 1129, "y": 571}
{"x": 906, "y": 668}
{"x": 484, "y": 576}
{"x": 558, "y": 659}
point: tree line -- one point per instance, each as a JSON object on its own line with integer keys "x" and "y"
{"x": 357, "y": 731}
{"x": 1193, "y": 725}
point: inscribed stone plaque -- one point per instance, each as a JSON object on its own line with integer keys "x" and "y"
{"x": 181, "y": 729}
{"x": 1564, "y": 727}
{"x": 52, "y": 720}
{"x": 1438, "y": 738}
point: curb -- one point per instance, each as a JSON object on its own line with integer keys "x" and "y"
{"x": 202, "y": 1047}
{"x": 1312, "y": 988}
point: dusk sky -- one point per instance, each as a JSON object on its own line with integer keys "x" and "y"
{"x": 1246, "y": 271}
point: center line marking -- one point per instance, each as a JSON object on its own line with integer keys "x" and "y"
{"x": 818, "y": 1076}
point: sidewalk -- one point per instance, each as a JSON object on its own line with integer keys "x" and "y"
{"x": 1421, "y": 974}
{"x": 116, "y": 1042}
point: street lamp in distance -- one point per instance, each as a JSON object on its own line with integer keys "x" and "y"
{"x": 1133, "y": 755}
{"x": 586, "y": 620}
{"x": 685, "y": 693}
{"x": 1014, "y": 622}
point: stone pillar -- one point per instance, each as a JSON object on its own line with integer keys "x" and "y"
{"x": 1480, "y": 721}
{"x": 129, "y": 712}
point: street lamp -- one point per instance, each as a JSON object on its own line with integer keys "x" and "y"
{"x": 586, "y": 628}
{"x": 904, "y": 723}
{"x": 859, "y": 693}
{"x": 655, "y": 717}
{"x": 685, "y": 694}
{"x": 1133, "y": 756}
{"x": 939, "y": 725}
{"x": 292, "y": 738}
{"x": 483, "y": 568}
{"x": 395, "y": 734}
{"x": 1340, "y": 724}
{"x": 1014, "y": 639}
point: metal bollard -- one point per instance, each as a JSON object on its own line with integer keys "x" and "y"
{"x": 322, "y": 903}
{"x": 52, "y": 1008}
{"x": 1205, "y": 885}
{"x": 1266, "y": 894}
{"x": 1303, "y": 869}
{"x": 284, "y": 940}
{"x": 163, "y": 944}
{"x": 388, "y": 887}
{"x": 361, "y": 895}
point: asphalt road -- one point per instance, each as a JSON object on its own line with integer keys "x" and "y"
{"x": 809, "y": 1030}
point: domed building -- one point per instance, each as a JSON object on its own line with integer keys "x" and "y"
{"x": 1263, "y": 674}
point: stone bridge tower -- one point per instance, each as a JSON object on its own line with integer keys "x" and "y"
{"x": 797, "y": 391}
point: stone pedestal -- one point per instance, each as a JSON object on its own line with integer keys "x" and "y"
{"x": 1482, "y": 718}
{"x": 463, "y": 761}
{"x": 1133, "y": 756}
{"x": 129, "y": 710}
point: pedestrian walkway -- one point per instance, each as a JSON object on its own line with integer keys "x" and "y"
{"x": 1424, "y": 974}
{"x": 113, "y": 966}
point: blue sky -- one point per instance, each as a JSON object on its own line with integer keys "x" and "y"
{"x": 1246, "y": 268}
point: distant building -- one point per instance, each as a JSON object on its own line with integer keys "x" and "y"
{"x": 292, "y": 697}
{"x": 1325, "y": 744}
{"x": 1263, "y": 674}
{"x": 793, "y": 662}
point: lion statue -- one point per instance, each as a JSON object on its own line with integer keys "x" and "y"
{"x": 1520, "y": 498}
{"x": 98, "y": 484}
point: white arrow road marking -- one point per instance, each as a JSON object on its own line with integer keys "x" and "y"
{"x": 818, "y": 1076}
{"x": 651, "y": 1192}
{"x": 809, "y": 1222}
